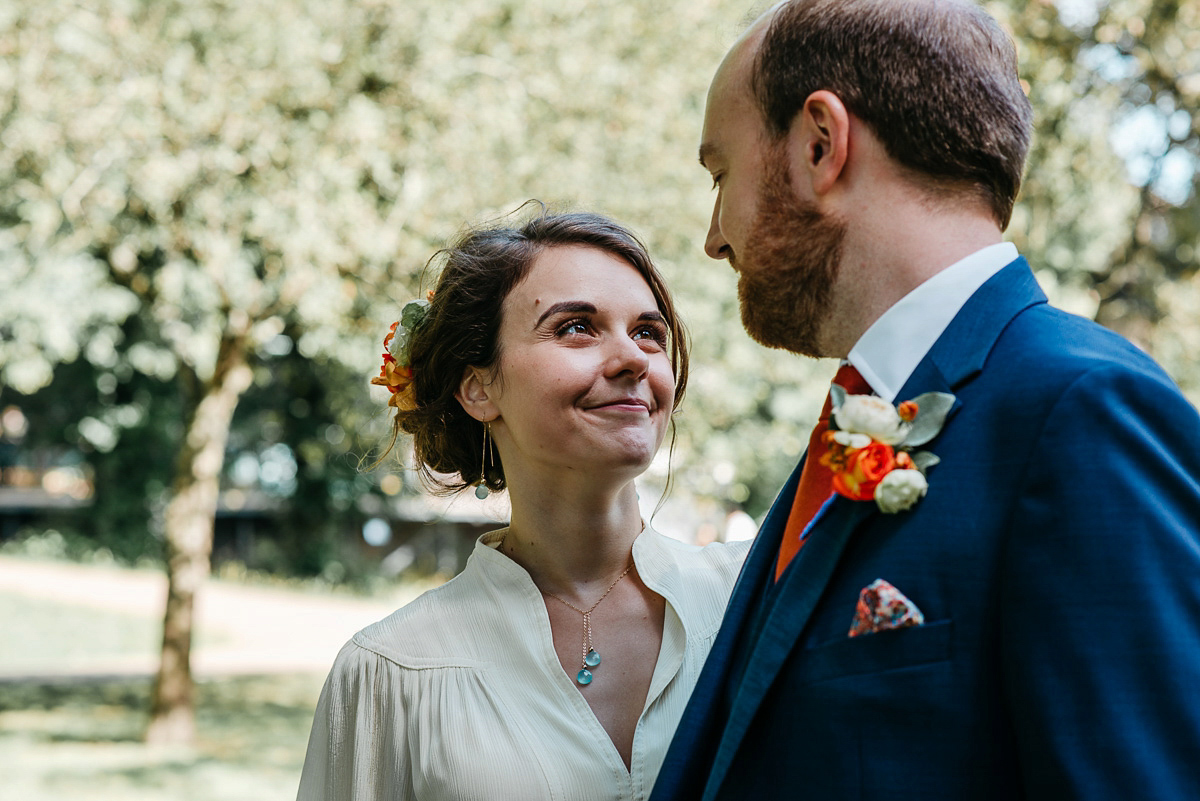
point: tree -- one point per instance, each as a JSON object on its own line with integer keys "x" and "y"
{"x": 229, "y": 172}
{"x": 1108, "y": 201}
{"x": 183, "y": 183}
{"x": 181, "y": 203}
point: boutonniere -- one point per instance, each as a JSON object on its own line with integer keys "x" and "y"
{"x": 872, "y": 446}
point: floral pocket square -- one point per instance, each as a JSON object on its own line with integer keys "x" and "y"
{"x": 881, "y": 607}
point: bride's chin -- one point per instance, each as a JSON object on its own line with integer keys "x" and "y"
{"x": 631, "y": 460}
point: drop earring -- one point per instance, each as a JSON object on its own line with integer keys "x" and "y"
{"x": 481, "y": 490}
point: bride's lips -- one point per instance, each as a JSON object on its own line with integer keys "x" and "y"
{"x": 622, "y": 405}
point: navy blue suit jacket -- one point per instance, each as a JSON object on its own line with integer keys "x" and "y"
{"x": 1056, "y": 558}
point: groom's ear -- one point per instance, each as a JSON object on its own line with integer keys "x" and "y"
{"x": 474, "y": 393}
{"x": 820, "y": 143}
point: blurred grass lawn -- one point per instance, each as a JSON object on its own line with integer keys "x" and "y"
{"x": 81, "y": 741}
{"x": 36, "y": 629}
{"x": 72, "y": 736}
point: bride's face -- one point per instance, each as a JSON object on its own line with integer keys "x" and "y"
{"x": 584, "y": 381}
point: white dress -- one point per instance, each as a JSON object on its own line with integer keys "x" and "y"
{"x": 460, "y": 695}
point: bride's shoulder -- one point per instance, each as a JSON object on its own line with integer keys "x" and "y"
{"x": 722, "y": 558}
{"x": 712, "y": 552}
{"x": 429, "y": 631}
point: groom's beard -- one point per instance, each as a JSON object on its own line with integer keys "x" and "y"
{"x": 788, "y": 266}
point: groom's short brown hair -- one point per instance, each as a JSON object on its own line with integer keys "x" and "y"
{"x": 935, "y": 80}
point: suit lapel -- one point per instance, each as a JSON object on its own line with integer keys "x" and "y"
{"x": 800, "y": 589}
{"x": 754, "y": 579}
{"x": 759, "y": 566}
{"x": 688, "y": 761}
{"x": 962, "y": 350}
{"x": 957, "y": 356}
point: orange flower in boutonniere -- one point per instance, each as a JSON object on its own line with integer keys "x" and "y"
{"x": 870, "y": 447}
{"x": 397, "y": 373}
{"x": 864, "y": 468}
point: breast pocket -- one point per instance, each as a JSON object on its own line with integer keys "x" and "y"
{"x": 878, "y": 652}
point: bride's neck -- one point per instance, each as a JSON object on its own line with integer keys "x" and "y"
{"x": 569, "y": 541}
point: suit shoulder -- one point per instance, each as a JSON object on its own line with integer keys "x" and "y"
{"x": 1058, "y": 347}
{"x": 1063, "y": 374}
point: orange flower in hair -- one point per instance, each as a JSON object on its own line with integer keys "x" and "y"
{"x": 397, "y": 373}
{"x": 399, "y": 381}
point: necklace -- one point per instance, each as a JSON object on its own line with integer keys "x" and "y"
{"x": 590, "y": 657}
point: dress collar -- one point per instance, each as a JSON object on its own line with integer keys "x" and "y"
{"x": 658, "y": 569}
{"x": 650, "y": 554}
{"x": 657, "y": 566}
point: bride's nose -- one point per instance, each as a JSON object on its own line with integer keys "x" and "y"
{"x": 625, "y": 355}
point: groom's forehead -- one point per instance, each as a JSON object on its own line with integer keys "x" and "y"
{"x": 733, "y": 75}
{"x": 730, "y": 101}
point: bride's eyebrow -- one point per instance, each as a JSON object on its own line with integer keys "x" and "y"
{"x": 566, "y": 306}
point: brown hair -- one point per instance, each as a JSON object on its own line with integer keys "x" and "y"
{"x": 936, "y": 81}
{"x": 479, "y": 269}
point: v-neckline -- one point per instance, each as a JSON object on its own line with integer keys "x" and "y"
{"x": 565, "y": 685}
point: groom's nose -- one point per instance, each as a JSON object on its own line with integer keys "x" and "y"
{"x": 715, "y": 245}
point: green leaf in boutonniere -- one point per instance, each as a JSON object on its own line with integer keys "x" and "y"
{"x": 924, "y": 460}
{"x": 932, "y": 408}
{"x": 837, "y": 396}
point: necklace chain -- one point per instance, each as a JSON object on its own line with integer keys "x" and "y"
{"x": 591, "y": 658}
{"x": 587, "y": 613}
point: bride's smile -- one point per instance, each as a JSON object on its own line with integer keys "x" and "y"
{"x": 584, "y": 379}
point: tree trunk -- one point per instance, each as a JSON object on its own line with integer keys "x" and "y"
{"x": 189, "y": 530}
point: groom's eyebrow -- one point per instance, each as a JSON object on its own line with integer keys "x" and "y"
{"x": 707, "y": 150}
{"x": 566, "y": 306}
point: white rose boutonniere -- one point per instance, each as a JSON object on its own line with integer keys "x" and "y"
{"x": 872, "y": 447}
{"x": 900, "y": 490}
{"x": 872, "y": 416}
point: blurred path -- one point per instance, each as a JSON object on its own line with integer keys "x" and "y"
{"x": 240, "y": 629}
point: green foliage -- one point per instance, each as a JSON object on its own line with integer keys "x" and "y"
{"x": 174, "y": 173}
{"x": 931, "y": 416}
{"x": 1108, "y": 208}
{"x": 296, "y": 413}
{"x": 50, "y": 543}
{"x": 126, "y": 425}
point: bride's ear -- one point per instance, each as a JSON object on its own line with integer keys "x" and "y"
{"x": 474, "y": 395}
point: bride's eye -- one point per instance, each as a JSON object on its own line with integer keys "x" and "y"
{"x": 574, "y": 326}
{"x": 654, "y": 333}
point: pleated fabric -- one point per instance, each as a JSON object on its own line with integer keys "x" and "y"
{"x": 460, "y": 696}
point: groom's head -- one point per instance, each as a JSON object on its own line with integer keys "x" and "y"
{"x": 931, "y": 85}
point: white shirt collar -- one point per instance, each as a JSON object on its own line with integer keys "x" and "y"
{"x": 890, "y": 350}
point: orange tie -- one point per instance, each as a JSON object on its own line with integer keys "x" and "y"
{"x": 816, "y": 480}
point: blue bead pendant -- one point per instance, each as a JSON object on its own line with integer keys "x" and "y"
{"x": 592, "y": 659}
{"x": 584, "y": 677}
{"x": 481, "y": 492}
